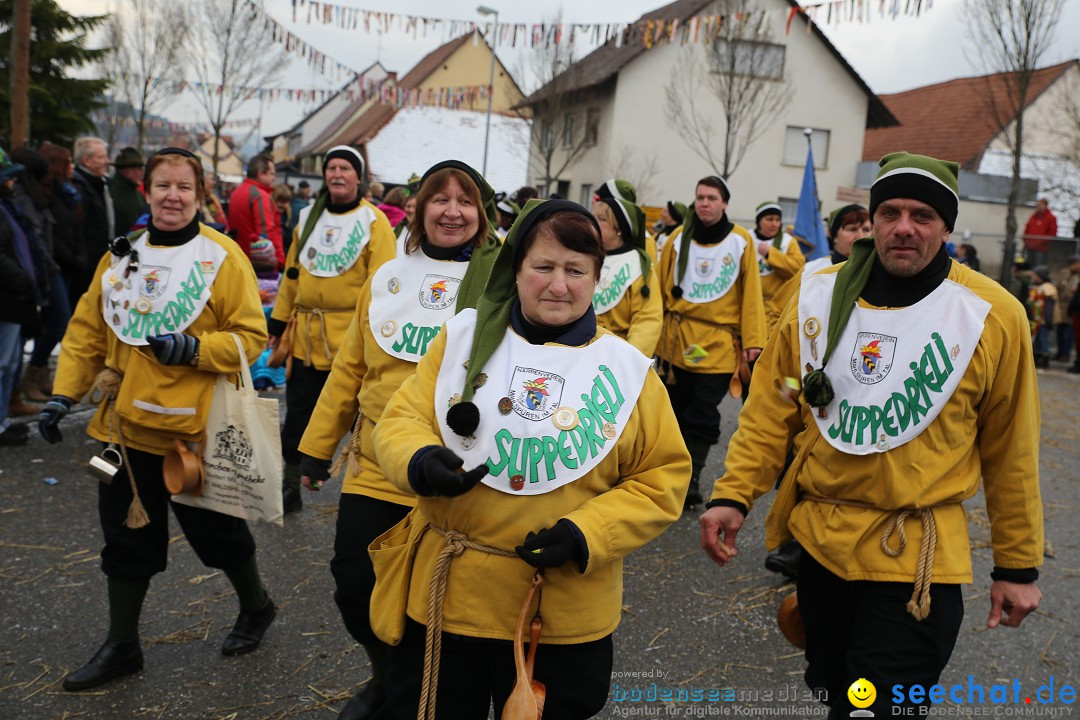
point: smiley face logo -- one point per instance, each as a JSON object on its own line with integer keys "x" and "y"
{"x": 862, "y": 693}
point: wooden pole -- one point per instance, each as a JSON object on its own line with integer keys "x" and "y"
{"x": 20, "y": 76}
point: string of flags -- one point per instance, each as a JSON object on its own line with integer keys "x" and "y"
{"x": 698, "y": 28}
{"x": 102, "y": 118}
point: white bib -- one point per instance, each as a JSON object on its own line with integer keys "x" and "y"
{"x": 711, "y": 270}
{"x": 892, "y": 370}
{"x": 764, "y": 267}
{"x": 549, "y": 414}
{"x": 167, "y": 292}
{"x": 616, "y": 276}
{"x": 812, "y": 266}
{"x": 336, "y": 241}
{"x": 399, "y": 245}
{"x": 411, "y": 297}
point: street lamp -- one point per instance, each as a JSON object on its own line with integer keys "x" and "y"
{"x": 485, "y": 10}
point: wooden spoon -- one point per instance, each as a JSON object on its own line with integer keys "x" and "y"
{"x": 522, "y": 703}
{"x": 538, "y": 689}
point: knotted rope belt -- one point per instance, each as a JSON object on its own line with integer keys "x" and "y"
{"x": 456, "y": 544}
{"x": 919, "y": 604}
{"x": 319, "y": 313}
{"x": 671, "y": 347}
{"x": 107, "y": 386}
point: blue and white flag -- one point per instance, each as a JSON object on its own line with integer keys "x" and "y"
{"x": 808, "y": 226}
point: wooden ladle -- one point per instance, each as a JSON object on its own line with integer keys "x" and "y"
{"x": 526, "y": 701}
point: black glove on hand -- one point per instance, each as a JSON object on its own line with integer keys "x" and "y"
{"x": 314, "y": 468}
{"x": 49, "y": 418}
{"x": 174, "y": 348}
{"x": 440, "y": 474}
{"x": 553, "y": 547}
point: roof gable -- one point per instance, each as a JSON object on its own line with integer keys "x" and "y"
{"x": 607, "y": 60}
{"x": 952, "y": 120}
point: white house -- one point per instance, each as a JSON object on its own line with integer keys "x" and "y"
{"x": 619, "y": 96}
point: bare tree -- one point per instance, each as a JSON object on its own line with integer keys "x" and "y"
{"x": 231, "y": 52}
{"x": 636, "y": 166}
{"x": 743, "y": 72}
{"x": 1010, "y": 37}
{"x": 561, "y": 131}
{"x": 145, "y": 66}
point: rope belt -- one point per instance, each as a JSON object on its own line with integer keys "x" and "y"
{"x": 319, "y": 313}
{"x": 671, "y": 347}
{"x": 456, "y": 544}
{"x": 919, "y": 604}
{"x": 107, "y": 386}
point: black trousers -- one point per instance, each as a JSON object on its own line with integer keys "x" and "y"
{"x": 301, "y": 396}
{"x": 361, "y": 519}
{"x": 695, "y": 398}
{"x": 220, "y": 541}
{"x": 861, "y": 629}
{"x": 475, "y": 672}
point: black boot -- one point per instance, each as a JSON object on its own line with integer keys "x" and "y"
{"x": 364, "y": 703}
{"x": 785, "y": 559}
{"x": 291, "y": 498}
{"x": 1075, "y": 369}
{"x": 113, "y": 660}
{"x": 249, "y": 629}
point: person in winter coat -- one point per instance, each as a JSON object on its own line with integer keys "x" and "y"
{"x": 156, "y": 385}
{"x": 440, "y": 271}
{"x": 253, "y": 219}
{"x": 535, "y": 441}
{"x": 98, "y": 221}
{"x": 338, "y": 242}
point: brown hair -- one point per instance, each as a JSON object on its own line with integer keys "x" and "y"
{"x": 573, "y": 230}
{"x": 177, "y": 160}
{"x": 396, "y": 197}
{"x": 59, "y": 158}
{"x": 434, "y": 185}
{"x": 853, "y": 217}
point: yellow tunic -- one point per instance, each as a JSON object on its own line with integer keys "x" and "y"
{"x": 627, "y": 500}
{"x": 704, "y": 324}
{"x": 323, "y": 306}
{"x": 89, "y": 346}
{"x": 637, "y": 319}
{"x": 785, "y": 265}
{"x": 989, "y": 428}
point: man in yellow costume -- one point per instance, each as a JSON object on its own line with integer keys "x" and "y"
{"x": 918, "y": 380}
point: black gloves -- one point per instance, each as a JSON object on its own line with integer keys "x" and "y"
{"x": 314, "y": 468}
{"x": 49, "y": 418}
{"x": 435, "y": 471}
{"x": 553, "y": 547}
{"x": 174, "y": 348}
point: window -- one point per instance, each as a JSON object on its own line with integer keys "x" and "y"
{"x": 795, "y": 147}
{"x": 569, "y": 126}
{"x": 789, "y": 208}
{"x": 749, "y": 57}
{"x": 586, "y": 195}
{"x": 563, "y": 188}
{"x": 592, "y": 126}
{"x": 542, "y": 189}
{"x": 547, "y": 135}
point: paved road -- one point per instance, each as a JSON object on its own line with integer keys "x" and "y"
{"x": 687, "y": 625}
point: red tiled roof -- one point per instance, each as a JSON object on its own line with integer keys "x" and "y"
{"x": 367, "y": 124}
{"x": 953, "y": 120}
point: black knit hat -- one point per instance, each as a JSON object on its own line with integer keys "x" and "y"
{"x": 348, "y": 154}
{"x": 918, "y": 177}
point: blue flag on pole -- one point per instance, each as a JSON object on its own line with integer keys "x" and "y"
{"x": 808, "y": 226}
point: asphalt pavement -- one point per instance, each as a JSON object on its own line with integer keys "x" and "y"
{"x": 695, "y": 640}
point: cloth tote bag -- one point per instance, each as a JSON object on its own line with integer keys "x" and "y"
{"x": 241, "y": 452}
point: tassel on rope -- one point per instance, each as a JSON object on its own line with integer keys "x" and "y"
{"x": 817, "y": 389}
{"x": 350, "y": 456}
{"x": 107, "y": 383}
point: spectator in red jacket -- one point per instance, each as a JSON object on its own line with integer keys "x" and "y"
{"x": 252, "y": 216}
{"x": 1040, "y": 229}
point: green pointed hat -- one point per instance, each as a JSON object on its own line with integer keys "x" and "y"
{"x": 621, "y": 189}
{"x": 487, "y": 193}
{"x": 493, "y": 308}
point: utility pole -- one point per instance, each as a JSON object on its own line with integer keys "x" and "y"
{"x": 20, "y": 76}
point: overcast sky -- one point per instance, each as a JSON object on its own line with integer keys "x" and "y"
{"x": 890, "y": 55}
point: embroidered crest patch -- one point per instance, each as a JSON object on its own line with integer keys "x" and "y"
{"x": 536, "y": 394}
{"x": 872, "y": 357}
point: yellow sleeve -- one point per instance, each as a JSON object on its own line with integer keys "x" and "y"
{"x": 286, "y": 294}
{"x": 408, "y": 423}
{"x": 787, "y": 291}
{"x": 767, "y": 423}
{"x": 1008, "y": 442}
{"x": 649, "y": 497}
{"x": 786, "y": 264}
{"x": 338, "y": 404}
{"x": 752, "y": 325}
{"x": 238, "y": 311}
{"x": 383, "y": 243}
{"x": 85, "y": 343}
{"x": 647, "y": 317}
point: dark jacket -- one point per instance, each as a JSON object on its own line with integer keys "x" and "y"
{"x": 68, "y": 247}
{"x": 128, "y": 203}
{"x": 18, "y": 303}
{"x": 96, "y": 222}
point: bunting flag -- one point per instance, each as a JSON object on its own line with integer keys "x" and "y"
{"x": 102, "y": 118}
{"x": 646, "y": 32}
